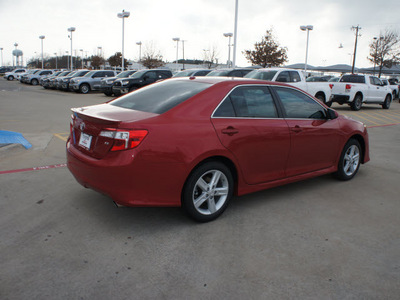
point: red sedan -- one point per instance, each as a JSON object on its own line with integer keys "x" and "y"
{"x": 196, "y": 142}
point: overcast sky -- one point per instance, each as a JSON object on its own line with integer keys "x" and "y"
{"x": 201, "y": 23}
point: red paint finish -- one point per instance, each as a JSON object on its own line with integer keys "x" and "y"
{"x": 262, "y": 152}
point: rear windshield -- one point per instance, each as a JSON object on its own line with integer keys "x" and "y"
{"x": 263, "y": 75}
{"x": 219, "y": 73}
{"x": 352, "y": 79}
{"x": 160, "y": 97}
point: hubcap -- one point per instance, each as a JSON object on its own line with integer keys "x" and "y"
{"x": 351, "y": 160}
{"x": 210, "y": 192}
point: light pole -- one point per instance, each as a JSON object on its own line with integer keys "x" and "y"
{"x": 123, "y": 15}
{"x": 235, "y": 33}
{"x": 67, "y": 60}
{"x": 229, "y": 35}
{"x": 306, "y": 28}
{"x": 100, "y": 53}
{"x": 183, "y": 54}
{"x": 176, "y": 39}
{"x": 16, "y": 57}
{"x": 42, "y": 38}
{"x": 1, "y": 49}
{"x": 140, "y": 50}
{"x": 81, "y": 58}
{"x": 56, "y": 59}
{"x": 71, "y": 29}
{"x": 356, "y": 28}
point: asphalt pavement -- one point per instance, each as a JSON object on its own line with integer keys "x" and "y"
{"x": 316, "y": 239}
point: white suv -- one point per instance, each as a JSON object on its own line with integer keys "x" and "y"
{"x": 14, "y": 73}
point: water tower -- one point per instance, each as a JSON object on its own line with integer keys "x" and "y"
{"x": 18, "y": 56}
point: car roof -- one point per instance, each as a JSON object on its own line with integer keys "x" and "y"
{"x": 228, "y": 80}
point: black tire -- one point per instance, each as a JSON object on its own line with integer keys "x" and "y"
{"x": 357, "y": 103}
{"x": 205, "y": 200}
{"x": 11, "y": 78}
{"x": 34, "y": 82}
{"x": 320, "y": 97}
{"x": 109, "y": 94}
{"x": 84, "y": 88}
{"x": 387, "y": 102}
{"x": 349, "y": 161}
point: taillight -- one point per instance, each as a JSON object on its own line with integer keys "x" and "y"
{"x": 124, "y": 139}
{"x": 348, "y": 87}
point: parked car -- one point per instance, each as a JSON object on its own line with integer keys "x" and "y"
{"x": 23, "y": 77}
{"x": 394, "y": 87}
{"x": 230, "y": 72}
{"x": 138, "y": 80}
{"x": 34, "y": 78}
{"x": 44, "y": 81}
{"x": 319, "y": 78}
{"x": 90, "y": 81}
{"x": 356, "y": 90}
{"x": 63, "y": 83}
{"x": 4, "y": 70}
{"x": 195, "y": 142}
{"x": 53, "y": 82}
{"x": 192, "y": 72}
{"x": 320, "y": 90}
{"x": 107, "y": 83}
{"x": 13, "y": 74}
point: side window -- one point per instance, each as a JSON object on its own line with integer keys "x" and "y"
{"x": 151, "y": 75}
{"x": 162, "y": 75}
{"x": 236, "y": 74}
{"x": 98, "y": 74}
{"x": 298, "y": 105}
{"x": 283, "y": 77}
{"x": 200, "y": 73}
{"x": 371, "y": 80}
{"x": 295, "y": 76}
{"x": 248, "y": 102}
{"x": 109, "y": 74}
{"x": 377, "y": 81}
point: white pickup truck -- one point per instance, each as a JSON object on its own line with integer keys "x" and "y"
{"x": 320, "y": 90}
{"x": 356, "y": 90}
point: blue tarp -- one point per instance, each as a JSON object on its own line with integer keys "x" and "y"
{"x": 10, "y": 137}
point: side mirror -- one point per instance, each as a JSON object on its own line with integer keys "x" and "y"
{"x": 331, "y": 114}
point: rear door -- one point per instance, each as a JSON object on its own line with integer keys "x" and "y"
{"x": 248, "y": 124}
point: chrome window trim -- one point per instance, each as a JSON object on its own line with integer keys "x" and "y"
{"x": 269, "y": 86}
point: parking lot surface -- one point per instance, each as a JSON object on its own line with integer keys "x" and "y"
{"x": 317, "y": 239}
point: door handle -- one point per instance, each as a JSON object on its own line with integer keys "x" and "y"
{"x": 297, "y": 129}
{"x": 230, "y": 131}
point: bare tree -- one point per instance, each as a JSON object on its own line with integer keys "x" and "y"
{"x": 152, "y": 58}
{"x": 384, "y": 50}
{"x": 267, "y": 52}
{"x": 210, "y": 57}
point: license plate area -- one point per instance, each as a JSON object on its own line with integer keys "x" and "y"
{"x": 85, "y": 140}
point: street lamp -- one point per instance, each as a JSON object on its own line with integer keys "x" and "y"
{"x": 81, "y": 58}
{"x": 306, "y": 28}
{"x": 67, "y": 60}
{"x": 140, "y": 50}
{"x": 1, "y": 49}
{"x": 56, "y": 59}
{"x": 71, "y": 29}
{"x": 42, "y": 38}
{"x": 376, "y": 50}
{"x": 176, "y": 39}
{"x": 235, "y": 33}
{"x": 123, "y": 15}
{"x": 229, "y": 35}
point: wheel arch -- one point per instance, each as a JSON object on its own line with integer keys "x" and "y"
{"x": 359, "y": 93}
{"x": 321, "y": 93}
{"x": 222, "y": 159}
{"x": 361, "y": 141}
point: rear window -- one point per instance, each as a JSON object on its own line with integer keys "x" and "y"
{"x": 352, "y": 79}
{"x": 263, "y": 75}
{"x": 160, "y": 97}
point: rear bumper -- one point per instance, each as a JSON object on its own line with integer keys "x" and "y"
{"x": 340, "y": 99}
{"x": 127, "y": 179}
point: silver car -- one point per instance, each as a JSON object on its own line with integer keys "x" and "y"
{"x": 90, "y": 82}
